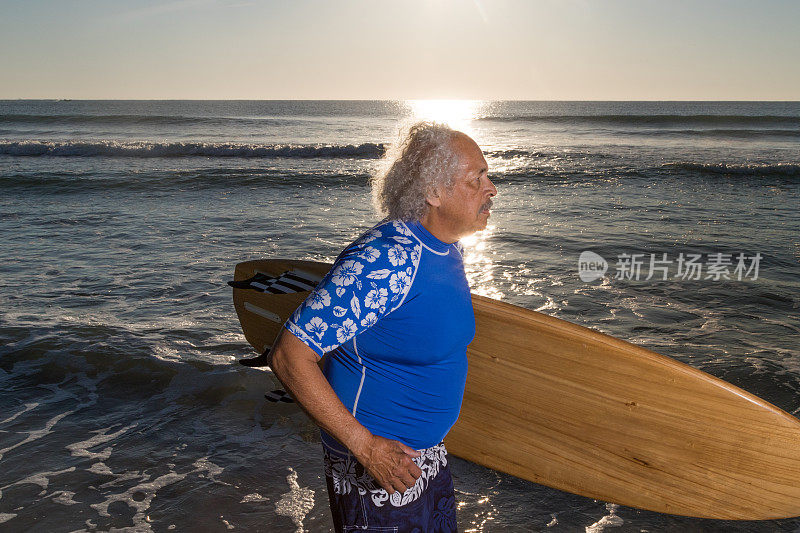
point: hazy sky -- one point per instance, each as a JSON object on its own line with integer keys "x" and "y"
{"x": 328, "y": 49}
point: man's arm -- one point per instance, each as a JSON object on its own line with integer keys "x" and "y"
{"x": 388, "y": 461}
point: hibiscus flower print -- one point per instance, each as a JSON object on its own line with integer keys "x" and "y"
{"x": 399, "y": 282}
{"x": 400, "y": 227}
{"x": 316, "y": 326}
{"x": 369, "y": 320}
{"x": 397, "y": 255}
{"x": 376, "y": 298}
{"x": 347, "y": 272}
{"x": 371, "y": 236}
{"x": 346, "y": 331}
{"x": 444, "y": 516}
{"x": 319, "y": 298}
{"x": 415, "y": 254}
{"x": 369, "y": 254}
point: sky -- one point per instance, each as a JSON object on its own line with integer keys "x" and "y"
{"x": 410, "y": 49}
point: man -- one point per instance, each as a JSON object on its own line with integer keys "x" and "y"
{"x": 394, "y": 316}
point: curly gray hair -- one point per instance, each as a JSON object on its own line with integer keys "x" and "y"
{"x": 421, "y": 161}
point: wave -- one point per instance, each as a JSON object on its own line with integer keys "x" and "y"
{"x": 654, "y": 120}
{"x": 516, "y": 152}
{"x": 724, "y": 133}
{"x": 187, "y": 149}
{"x": 753, "y": 169}
{"x": 121, "y": 363}
{"x": 152, "y": 120}
{"x": 561, "y": 155}
{"x": 166, "y": 180}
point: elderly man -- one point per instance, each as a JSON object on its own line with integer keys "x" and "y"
{"x": 394, "y": 316}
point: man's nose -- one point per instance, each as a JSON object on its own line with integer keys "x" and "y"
{"x": 492, "y": 188}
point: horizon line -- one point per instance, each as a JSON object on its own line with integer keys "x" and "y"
{"x": 369, "y": 100}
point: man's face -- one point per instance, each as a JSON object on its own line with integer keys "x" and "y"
{"x": 465, "y": 207}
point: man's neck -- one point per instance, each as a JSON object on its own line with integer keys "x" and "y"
{"x": 437, "y": 228}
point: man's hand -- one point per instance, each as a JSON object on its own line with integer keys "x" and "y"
{"x": 389, "y": 462}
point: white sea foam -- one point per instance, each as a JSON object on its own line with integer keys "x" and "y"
{"x": 37, "y": 433}
{"x": 101, "y": 469}
{"x": 296, "y": 503}
{"x": 27, "y": 407}
{"x": 42, "y": 479}
{"x": 81, "y": 449}
{"x": 254, "y": 497}
{"x": 166, "y": 353}
{"x": 148, "y": 489}
{"x": 121, "y": 479}
{"x": 610, "y": 520}
{"x": 205, "y": 465}
{"x": 65, "y": 497}
{"x": 781, "y": 169}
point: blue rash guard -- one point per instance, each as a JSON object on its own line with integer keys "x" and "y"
{"x": 394, "y": 315}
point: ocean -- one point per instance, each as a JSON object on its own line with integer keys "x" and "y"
{"x": 123, "y": 407}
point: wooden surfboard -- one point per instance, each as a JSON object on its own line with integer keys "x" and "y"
{"x": 571, "y": 408}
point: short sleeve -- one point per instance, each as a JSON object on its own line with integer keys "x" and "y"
{"x": 368, "y": 280}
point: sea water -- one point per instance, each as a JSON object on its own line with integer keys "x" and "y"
{"x": 123, "y": 406}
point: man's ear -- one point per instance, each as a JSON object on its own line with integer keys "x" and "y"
{"x": 433, "y": 198}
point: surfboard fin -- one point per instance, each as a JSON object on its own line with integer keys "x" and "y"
{"x": 279, "y": 395}
{"x": 258, "y": 361}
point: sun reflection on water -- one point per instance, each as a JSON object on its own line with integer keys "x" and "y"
{"x": 479, "y": 265}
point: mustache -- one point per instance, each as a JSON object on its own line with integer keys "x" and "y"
{"x": 488, "y": 205}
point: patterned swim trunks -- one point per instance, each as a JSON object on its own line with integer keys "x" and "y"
{"x": 358, "y": 503}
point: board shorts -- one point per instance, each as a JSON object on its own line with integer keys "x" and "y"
{"x": 358, "y": 503}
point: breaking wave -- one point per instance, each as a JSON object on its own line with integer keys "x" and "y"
{"x": 152, "y": 120}
{"x": 654, "y": 120}
{"x": 187, "y": 149}
{"x": 754, "y": 169}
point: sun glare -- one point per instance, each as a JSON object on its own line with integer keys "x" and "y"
{"x": 458, "y": 114}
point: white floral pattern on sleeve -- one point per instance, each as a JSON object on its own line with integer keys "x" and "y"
{"x": 369, "y": 254}
{"x": 346, "y": 272}
{"x": 316, "y": 327}
{"x": 369, "y": 280}
{"x": 397, "y": 255}
{"x": 319, "y": 299}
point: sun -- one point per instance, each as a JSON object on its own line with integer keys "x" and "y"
{"x": 458, "y": 114}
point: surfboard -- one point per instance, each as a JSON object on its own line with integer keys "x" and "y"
{"x": 577, "y": 410}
